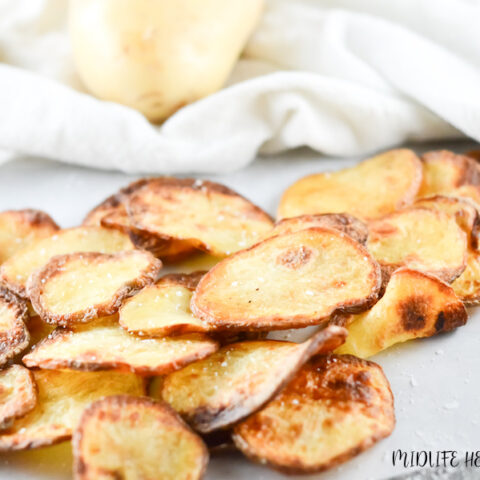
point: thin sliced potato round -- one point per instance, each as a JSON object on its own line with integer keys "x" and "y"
{"x": 334, "y": 408}
{"x": 15, "y": 271}
{"x": 136, "y": 438}
{"x": 18, "y": 394}
{"x": 414, "y": 305}
{"x": 18, "y": 228}
{"x": 343, "y": 222}
{"x": 164, "y": 308}
{"x": 79, "y": 287}
{"x": 104, "y": 345}
{"x": 373, "y": 188}
{"x": 207, "y": 215}
{"x": 14, "y": 336}
{"x": 288, "y": 281}
{"x": 467, "y": 285}
{"x": 62, "y": 397}
{"x": 240, "y": 378}
{"x": 421, "y": 239}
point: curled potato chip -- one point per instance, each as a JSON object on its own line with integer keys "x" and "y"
{"x": 16, "y": 270}
{"x": 343, "y": 222}
{"x": 369, "y": 190}
{"x": 14, "y": 336}
{"x": 414, "y": 305}
{"x": 207, "y": 215}
{"x": 62, "y": 397}
{"x": 136, "y": 438}
{"x": 20, "y": 227}
{"x": 421, "y": 239}
{"x": 164, "y": 308}
{"x": 288, "y": 281}
{"x": 18, "y": 394}
{"x": 240, "y": 378}
{"x": 467, "y": 285}
{"x": 333, "y": 409}
{"x": 79, "y": 287}
{"x": 104, "y": 345}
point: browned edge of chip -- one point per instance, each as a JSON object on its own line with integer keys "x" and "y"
{"x": 187, "y": 280}
{"x": 35, "y": 217}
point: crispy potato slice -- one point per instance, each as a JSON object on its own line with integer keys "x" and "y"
{"x": 18, "y": 394}
{"x": 14, "y": 336}
{"x": 421, "y": 239}
{"x": 444, "y": 171}
{"x": 207, "y": 215}
{"x": 240, "y": 378}
{"x": 15, "y": 271}
{"x": 20, "y": 227}
{"x": 343, "y": 222}
{"x": 373, "y": 188}
{"x": 136, "y": 438}
{"x": 334, "y": 408}
{"x": 414, "y": 305}
{"x": 62, "y": 397}
{"x": 467, "y": 285}
{"x": 104, "y": 345}
{"x": 79, "y": 287}
{"x": 288, "y": 281}
{"x": 164, "y": 308}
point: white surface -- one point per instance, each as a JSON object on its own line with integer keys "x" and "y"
{"x": 342, "y": 76}
{"x": 435, "y": 381}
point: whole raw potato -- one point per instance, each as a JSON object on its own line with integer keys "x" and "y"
{"x": 158, "y": 55}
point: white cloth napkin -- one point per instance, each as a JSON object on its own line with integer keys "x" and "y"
{"x": 345, "y": 77}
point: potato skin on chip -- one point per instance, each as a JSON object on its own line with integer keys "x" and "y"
{"x": 369, "y": 190}
{"x": 240, "y": 378}
{"x": 136, "y": 438}
{"x": 334, "y": 408}
{"x": 62, "y": 397}
{"x": 288, "y": 281}
{"x": 79, "y": 287}
{"x": 18, "y": 394}
{"x": 414, "y": 305}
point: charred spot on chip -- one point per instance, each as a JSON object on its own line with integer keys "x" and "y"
{"x": 413, "y": 311}
{"x": 296, "y": 257}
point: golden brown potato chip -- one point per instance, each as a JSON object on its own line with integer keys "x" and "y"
{"x": 136, "y": 438}
{"x": 62, "y": 397}
{"x": 422, "y": 239}
{"x": 288, "y": 281}
{"x": 444, "y": 171}
{"x": 240, "y": 378}
{"x": 14, "y": 336}
{"x": 15, "y": 271}
{"x": 207, "y": 215}
{"x": 20, "y": 227}
{"x": 369, "y": 190}
{"x": 79, "y": 287}
{"x": 338, "y": 221}
{"x": 18, "y": 394}
{"x": 467, "y": 285}
{"x": 414, "y": 305}
{"x": 104, "y": 345}
{"x": 334, "y": 408}
{"x": 164, "y": 308}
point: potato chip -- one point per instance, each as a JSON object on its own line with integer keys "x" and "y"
{"x": 288, "y": 281}
{"x": 467, "y": 285}
{"x": 136, "y": 438}
{"x": 79, "y": 287}
{"x": 421, "y": 239}
{"x": 14, "y": 336}
{"x": 164, "y": 308}
{"x": 15, "y": 271}
{"x": 334, "y": 408}
{"x": 240, "y": 378}
{"x": 18, "y": 394}
{"x": 20, "y": 227}
{"x": 373, "y": 188}
{"x": 207, "y": 215}
{"x": 104, "y": 345}
{"x": 62, "y": 397}
{"x": 414, "y": 305}
{"x": 338, "y": 221}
